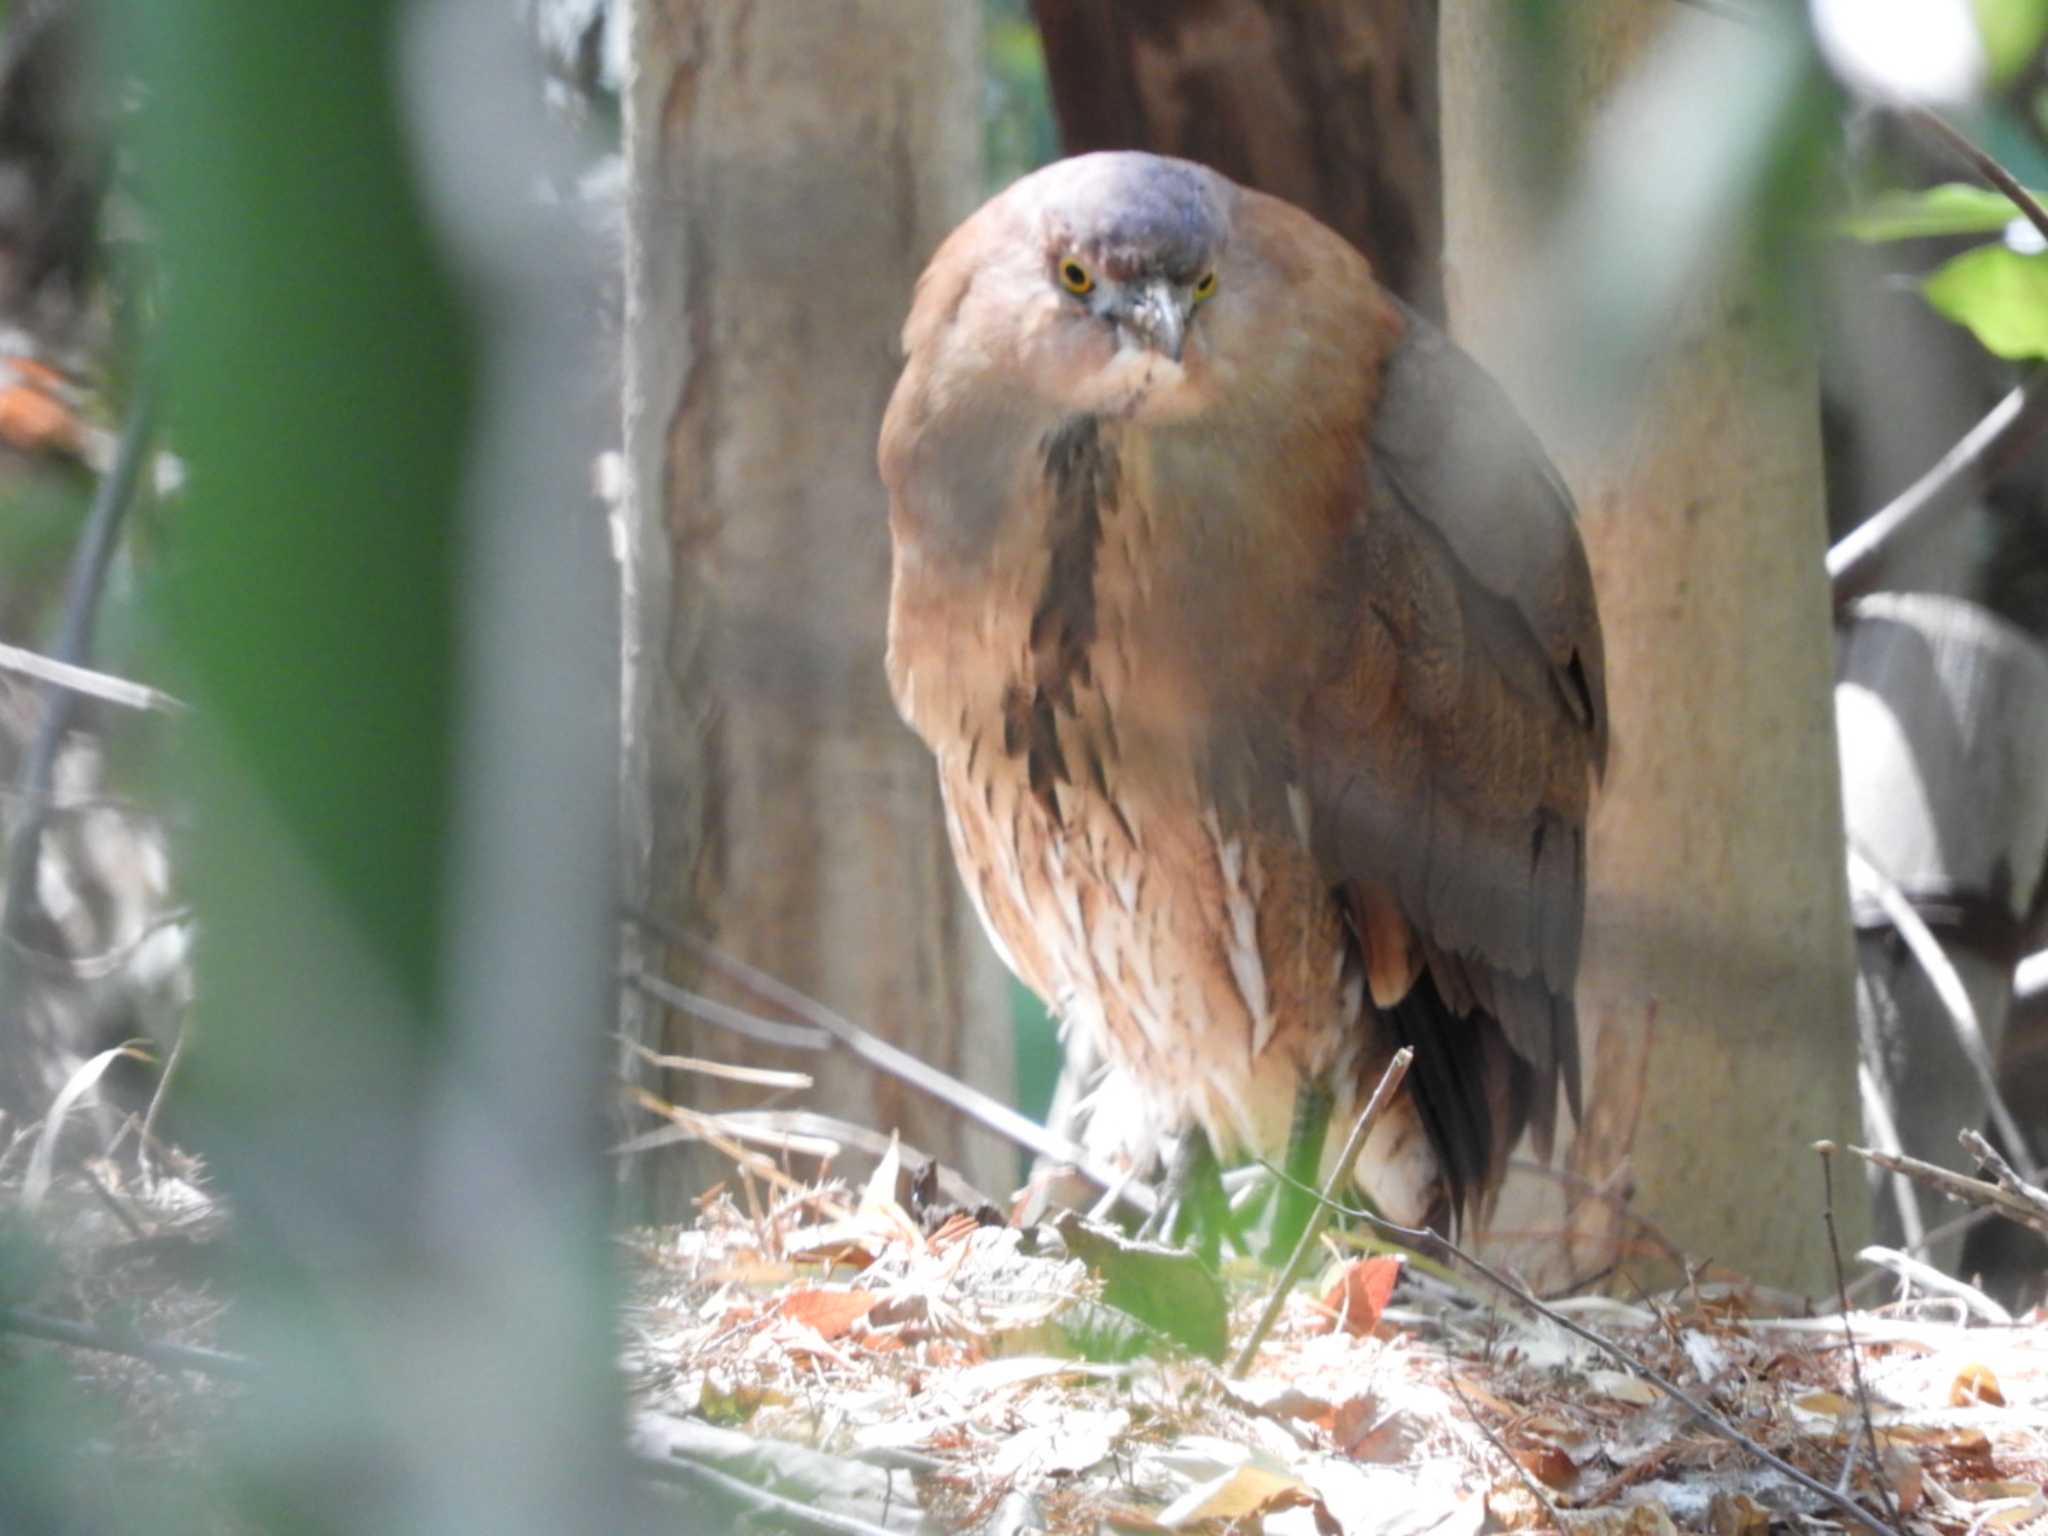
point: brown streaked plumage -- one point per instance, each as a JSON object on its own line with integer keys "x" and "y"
{"x": 1254, "y": 641}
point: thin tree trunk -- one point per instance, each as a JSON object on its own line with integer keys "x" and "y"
{"x": 1330, "y": 104}
{"x": 791, "y": 168}
{"x": 1716, "y": 988}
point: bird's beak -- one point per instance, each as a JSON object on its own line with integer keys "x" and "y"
{"x": 1157, "y": 318}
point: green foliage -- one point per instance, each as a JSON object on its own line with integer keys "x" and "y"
{"x": 1949, "y": 209}
{"x": 2000, "y": 294}
{"x": 2012, "y": 31}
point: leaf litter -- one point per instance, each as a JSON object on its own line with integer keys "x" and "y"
{"x": 978, "y": 1376}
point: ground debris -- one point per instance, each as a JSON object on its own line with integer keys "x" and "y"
{"x": 961, "y": 1360}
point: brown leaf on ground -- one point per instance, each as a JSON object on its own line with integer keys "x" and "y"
{"x": 1974, "y": 1384}
{"x": 830, "y": 1312}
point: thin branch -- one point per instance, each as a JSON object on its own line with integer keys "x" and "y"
{"x": 1826, "y": 1149}
{"x": 1852, "y": 563}
{"x": 794, "y": 1037}
{"x": 725, "y": 1071}
{"x": 1536, "y": 1489}
{"x": 970, "y": 1101}
{"x": 1984, "y": 166}
{"x": 1446, "y": 1251}
{"x": 1948, "y": 988}
{"x": 1959, "y": 1186}
{"x": 809, "y": 1122}
{"x": 1989, "y": 1160}
{"x": 169, "y": 1357}
{"x": 103, "y": 686}
{"x": 1319, "y": 1213}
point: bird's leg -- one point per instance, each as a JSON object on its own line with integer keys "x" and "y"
{"x": 1192, "y": 1206}
{"x": 1304, "y": 1167}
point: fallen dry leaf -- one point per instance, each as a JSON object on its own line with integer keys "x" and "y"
{"x": 1246, "y": 1489}
{"x": 1360, "y": 1294}
{"x": 1974, "y": 1384}
{"x": 1547, "y": 1464}
{"x": 830, "y": 1312}
{"x": 1622, "y": 1387}
{"x": 1737, "y": 1514}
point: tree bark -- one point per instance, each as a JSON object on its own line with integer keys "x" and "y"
{"x": 791, "y": 168}
{"x": 1330, "y": 104}
{"x": 1716, "y": 988}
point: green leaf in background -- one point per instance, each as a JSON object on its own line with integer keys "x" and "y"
{"x": 2012, "y": 31}
{"x": 2000, "y": 294}
{"x": 1950, "y": 209}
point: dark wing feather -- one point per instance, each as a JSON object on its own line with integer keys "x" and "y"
{"x": 1455, "y": 728}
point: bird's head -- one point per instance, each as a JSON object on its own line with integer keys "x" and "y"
{"x": 1116, "y": 266}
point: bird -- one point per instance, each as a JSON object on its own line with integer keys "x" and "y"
{"x": 1254, "y": 640}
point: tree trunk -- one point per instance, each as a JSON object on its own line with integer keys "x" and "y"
{"x": 791, "y": 168}
{"x": 1330, "y": 104}
{"x": 1716, "y": 989}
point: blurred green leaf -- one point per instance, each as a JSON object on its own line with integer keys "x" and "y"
{"x": 2012, "y": 31}
{"x": 1950, "y": 209}
{"x": 2000, "y": 294}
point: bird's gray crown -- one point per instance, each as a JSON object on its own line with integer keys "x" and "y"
{"x": 1135, "y": 214}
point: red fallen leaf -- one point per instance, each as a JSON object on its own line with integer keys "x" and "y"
{"x": 1361, "y": 1292}
{"x": 830, "y": 1312}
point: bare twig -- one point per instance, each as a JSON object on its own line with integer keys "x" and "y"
{"x": 809, "y": 1122}
{"x": 170, "y": 1357}
{"x": 1959, "y": 1186}
{"x": 1536, "y": 1489}
{"x": 1319, "y": 1213}
{"x": 103, "y": 686}
{"x": 1948, "y": 988}
{"x": 1991, "y": 1162}
{"x": 1826, "y": 1149}
{"x": 1984, "y": 166}
{"x": 1852, "y": 562}
{"x": 795, "y": 1037}
{"x": 900, "y": 1064}
{"x": 755, "y": 1077}
{"x": 1449, "y": 1252}
{"x": 705, "y": 1128}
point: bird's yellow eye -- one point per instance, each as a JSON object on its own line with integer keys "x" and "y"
{"x": 1074, "y": 277}
{"x": 1205, "y": 286}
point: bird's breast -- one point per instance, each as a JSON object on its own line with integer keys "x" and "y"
{"x": 1118, "y": 795}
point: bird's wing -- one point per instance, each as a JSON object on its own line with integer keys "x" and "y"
{"x": 1450, "y": 737}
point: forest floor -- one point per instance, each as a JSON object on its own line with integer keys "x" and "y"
{"x": 813, "y": 1358}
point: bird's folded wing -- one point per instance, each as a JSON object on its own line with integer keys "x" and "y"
{"x": 1460, "y": 712}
